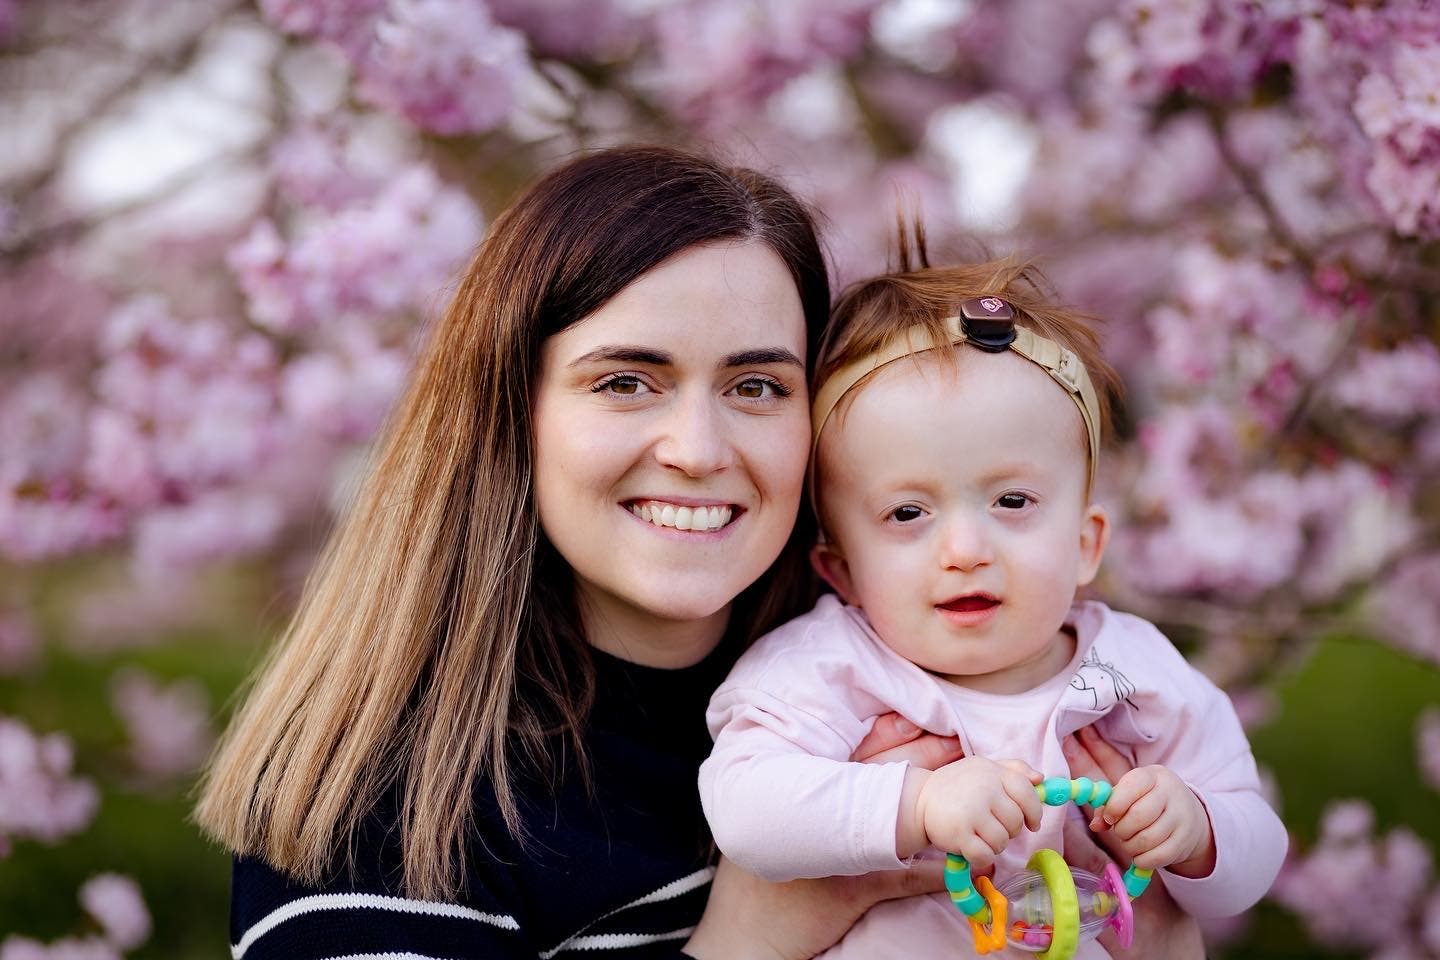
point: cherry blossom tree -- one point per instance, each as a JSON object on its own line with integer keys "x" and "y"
{"x": 224, "y": 225}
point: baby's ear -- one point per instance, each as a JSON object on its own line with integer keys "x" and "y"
{"x": 1094, "y": 535}
{"x": 833, "y": 569}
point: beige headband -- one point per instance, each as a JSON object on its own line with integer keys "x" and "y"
{"x": 1059, "y": 362}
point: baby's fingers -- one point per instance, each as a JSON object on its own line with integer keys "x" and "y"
{"x": 1132, "y": 786}
{"x": 1024, "y": 769}
{"x": 1158, "y": 846}
{"x": 979, "y": 851}
{"x": 1019, "y": 784}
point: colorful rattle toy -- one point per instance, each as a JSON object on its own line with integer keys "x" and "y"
{"x": 1052, "y": 907}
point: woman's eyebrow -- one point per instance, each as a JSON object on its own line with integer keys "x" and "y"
{"x": 750, "y": 358}
{"x": 659, "y": 358}
{"x": 626, "y": 354}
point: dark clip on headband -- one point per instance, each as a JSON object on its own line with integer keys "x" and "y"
{"x": 988, "y": 323}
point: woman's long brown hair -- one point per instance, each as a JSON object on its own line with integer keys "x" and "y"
{"x": 437, "y": 640}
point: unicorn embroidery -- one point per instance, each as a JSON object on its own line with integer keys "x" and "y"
{"x": 1107, "y": 686}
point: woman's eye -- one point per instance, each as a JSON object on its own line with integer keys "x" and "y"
{"x": 760, "y": 388}
{"x": 1013, "y": 501}
{"x": 905, "y": 514}
{"x": 623, "y": 386}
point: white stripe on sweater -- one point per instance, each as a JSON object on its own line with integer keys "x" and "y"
{"x": 353, "y": 901}
{"x": 619, "y": 941}
{"x": 670, "y": 891}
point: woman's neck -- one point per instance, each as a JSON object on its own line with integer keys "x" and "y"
{"x": 641, "y": 637}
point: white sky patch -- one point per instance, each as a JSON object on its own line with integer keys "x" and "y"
{"x": 919, "y": 30}
{"x": 989, "y": 151}
{"x": 172, "y": 129}
{"x": 815, "y": 105}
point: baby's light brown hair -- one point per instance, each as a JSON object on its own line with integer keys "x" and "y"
{"x": 872, "y": 312}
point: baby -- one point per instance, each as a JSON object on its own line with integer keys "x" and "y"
{"x": 958, "y": 418}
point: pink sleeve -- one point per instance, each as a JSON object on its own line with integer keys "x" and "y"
{"x": 782, "y": 797}
{"x": 1210, "y": 752}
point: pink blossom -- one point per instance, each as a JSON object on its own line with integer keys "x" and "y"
{"x": 168, "y": 726}
{"x": 445, "y": 65}
{"x": 1428, "y": 746}
{"x": 1397, "y": 109}
{"x": 47, "y": 520}
{"x": 348, "y": 23}
{"x": 1320, "y": 886}
{"x": 395, "y": 251}
{"x": 343, "y": 393}
{"x": 220, "y": 524}
{"x": 1235, "y": 320}
{"x": 575, "y": 29}
{"x": 1407, "y": 192}
{"x": 315, "y": 170}
{"x": 42, "y": 419}
{"x": 1356, "y": 520}
{"x": 66, "y": 948}
{"x": 1394, "y": 385}
{"x": 38, "y": 797}
{"x": 721, "y": 57}
{"x": 1217, "y": 49}
{"x": 1430, "y": 923}
{"x": 1405, "y": 606}
{"x": 1239, "y": 546}
{"x": 9, "y": 18}
{"x": 185, "y": 406}
{"x": 116, "y": 904}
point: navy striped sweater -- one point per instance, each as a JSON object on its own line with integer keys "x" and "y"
{"x": 620, "y": 876}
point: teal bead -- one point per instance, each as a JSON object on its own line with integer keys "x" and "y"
{"x": 957, "y": 873}
{"x": 1135, "y": 883}
{"x": 1057, "y": 791}
{"x": 970, "y": 905}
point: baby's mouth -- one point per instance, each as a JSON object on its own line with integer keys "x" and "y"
{"x": 970, "y": 603}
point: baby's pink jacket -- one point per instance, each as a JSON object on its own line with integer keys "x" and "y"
{"x": 784, "y": 801}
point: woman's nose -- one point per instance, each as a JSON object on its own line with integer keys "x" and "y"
{"x": 695, "y": 437}
{"x": 964, "y": 544}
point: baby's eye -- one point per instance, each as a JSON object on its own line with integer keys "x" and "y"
{"x": 620, "y": 385}
{"x": 1014, "y": 501}
{"x": 760, "y": 388}
{"x": 906, "y": 513}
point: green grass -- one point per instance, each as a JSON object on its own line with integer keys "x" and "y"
{"x": 1345, "y": 728}
{"x": 140, "y": 830}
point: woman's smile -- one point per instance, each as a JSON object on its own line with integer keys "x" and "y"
{"x": 684, "y": 515}
{"x": 671, "y": 428}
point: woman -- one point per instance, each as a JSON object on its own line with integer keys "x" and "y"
{"x": 491, "y": 698}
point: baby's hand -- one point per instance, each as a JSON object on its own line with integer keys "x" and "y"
{"x": 974, "y": 806}
{"x": 1159, "y": 822}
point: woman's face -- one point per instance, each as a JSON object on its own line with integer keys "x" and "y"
{"x": 671, "y": 431}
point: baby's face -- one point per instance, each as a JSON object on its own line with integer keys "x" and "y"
{"x": 956, "y": 503}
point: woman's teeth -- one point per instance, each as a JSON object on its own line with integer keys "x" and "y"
{"x": 681, "y": 518}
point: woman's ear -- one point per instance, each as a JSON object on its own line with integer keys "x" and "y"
{"x": 1094, "y": 535}
{"x": 830, "y": 564}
